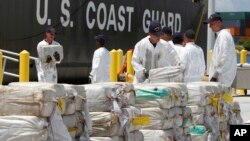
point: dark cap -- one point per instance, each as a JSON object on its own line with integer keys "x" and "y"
{"x": 50, "y": 29}
{"x": 100, "y": 37}
{"x": 190, "y": 34}
{"x": 213, "y": 17}
{"x": 155, "y": 28}
{"x": 177, "y": 38}
{"x": 167, "y": 30}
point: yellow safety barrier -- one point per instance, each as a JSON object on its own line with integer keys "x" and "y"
{"x": 243, "y": 59}
{"x": 113, "y": 66}
{"x": 119, "y": 60}
{"x": 24, "y": 64}
{"x": 1, "y": 68}
{"x": 130, "y": 69}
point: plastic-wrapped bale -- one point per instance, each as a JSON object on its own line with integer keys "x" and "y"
{"x": 105, "y": 124}
{"x": 178, "y": 91}
{"x": 130, "y": 113}
{"x": 187, "y": 117}
{"x": 198, "y": 113}
{"x": 197, "y": 95}
{"x": 198, "y": 133}
{"x": 73, "y": 97}
{"x": 29, "y": 101}
{"x": 176, "y": 114}
{"x": 23, "y": 128}
{"x": 235, "y": 116}
{"x": 148, "y": 95}
{"x": 158, "y": 121}
{"x": 75, "y": 124}
{"x": 157, "y": 135}
{"x": 212, "y": 124}
{"x": 136, "y": 136}
{"x": 76, "y": 98}
{"x": 116, "y": 138}
{"x": 166, "y": 74}
{"x": 106, "y": 97}
{"x": 196, "y": 109}
{"x": 124, "y": 90}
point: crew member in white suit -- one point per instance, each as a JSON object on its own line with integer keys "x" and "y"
{"x": 152, "y": 52}
{"x": 193, "y": 59}
{"x": 223, "y": 65}
{"x": 100, "y": 62}
{"x": 47, "y": 71}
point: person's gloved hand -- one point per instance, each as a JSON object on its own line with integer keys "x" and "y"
{"x": 48, "y": 59}
{"x": 146, "y": 74}
{"x": 214, "y": 79}
{"x": 57, "y": 56}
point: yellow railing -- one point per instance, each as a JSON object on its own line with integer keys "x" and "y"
{"x": 24, "y": 61}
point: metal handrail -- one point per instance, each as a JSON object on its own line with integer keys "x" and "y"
{"x": 5, "y": 58}
{"x": 15, "y": 54}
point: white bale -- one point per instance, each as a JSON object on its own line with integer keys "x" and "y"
{"x": 164, "y": 102}
{"x": 157, "y": 119}
{"x": 130, "y": 113}
{"x": 29, "y": 101}
{"x": 74, "y": 124}
{"x": 136, "y": 136}
{"x": 46, "y": 50}
{"x": 124, "y": 90}
{"x": 115, "y": 138}
{"x": 196, "y": 109}
{"x": 101, "y": 98}
{"x": 166, "y": 74}
{"x": 105, "y": 124}
{"x": 179, "y": 92}
{"x": 157, "y": 135}
{"x": 198, "y": 119}
{"x": 23, "y": 128}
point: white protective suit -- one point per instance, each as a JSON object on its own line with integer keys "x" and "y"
{"x": 223, "y": 64}
{"x": 146, "y": 57}
{"x": 193, "y": 60}
{"x": 46, "y": 72}
{"x": 179, "y": 49}
{"x": 100, "y": 66}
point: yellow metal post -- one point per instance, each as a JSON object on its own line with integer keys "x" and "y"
{"x": 119, "y": 60}
{"x": 243, "y": 56}
{"x": 113, "y": 66}
{"x": 24, "y": 64}
{"x": 1, "y": 68}
{"x": 243, "y": 59}
{"x": 210, "y": 54}
{"x": 130, "y": 69}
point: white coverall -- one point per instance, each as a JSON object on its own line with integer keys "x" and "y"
{"x": 46, "y": 72}
{"x": 179, "y": 50}
{"x": 100, "y": 66}
{"x": 146, "y": 57}
{"x": 193, "y": 60}
{"x": 223, "y": 65}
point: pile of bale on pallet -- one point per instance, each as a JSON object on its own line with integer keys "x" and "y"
{"x": 213, "y": 107}
{"x": 164, "y": 104}
{"x": 42, "y": 111}
{"x": 110, "y": 105}
{"x": 117, "y": 112}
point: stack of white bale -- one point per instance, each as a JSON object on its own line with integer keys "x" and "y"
{"x": 164, "y": 103}
{"x": 111, "y": 107}
{"x": 211, "y": 105}
{"x": 43, "y": 111}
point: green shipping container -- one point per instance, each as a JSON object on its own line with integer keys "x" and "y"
{"x": 233, "y": 15}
